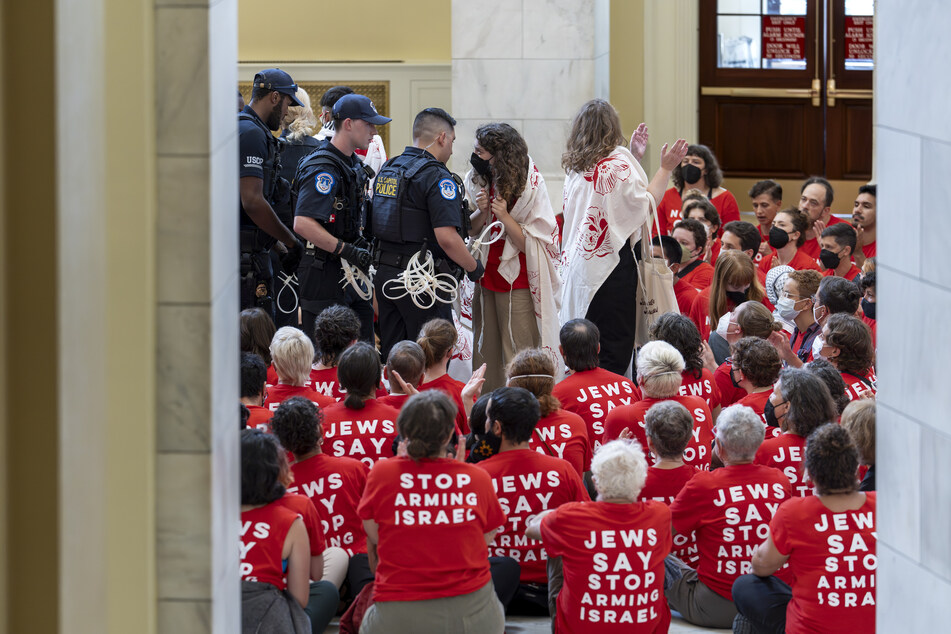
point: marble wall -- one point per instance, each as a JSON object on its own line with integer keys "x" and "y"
{"x": 530, "y": 63}
{"x": 913, "y": 152}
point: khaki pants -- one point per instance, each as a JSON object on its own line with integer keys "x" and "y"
{"x": 478, "y": 612}
{"x": 500, "y": 342}
{"x": 697, "y": 603}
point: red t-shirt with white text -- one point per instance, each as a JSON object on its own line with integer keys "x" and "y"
{"x": 757, "y": 402}
{"x": 613, "y": 561}
{"x": 704, "y": 387}
{"x": 591, "y": 394}
{"x": 856, "y": 387}
{"x": 277, "y": 394}
{"x": 670, "y": 209}
{"x": 263, "y": 531}
{"x": 335, "y": 485}
{"x": 833, "y": 557}
{"x": 453, "y": 388}
{"x": 565, "y": 435}
{"x": 697, "y": 452}
{"x": 663, "y": 485}
{"x": 526, "y": 484}
{"x": 787, "y": 453}
{"x": 259, "y": 418}
{"x": 303, "y": 506}
{"x": 730, "y": 509}
{"x": 365, "y": 434}
{"x": 394, "y": 400}
{"x": 433, "y": 516}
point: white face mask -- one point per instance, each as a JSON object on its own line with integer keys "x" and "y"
{"x": 723, "y": 325}
{"x": 814, "y": 315}
{"x": 817, "y": 345}
{"x": 786, "y": 307}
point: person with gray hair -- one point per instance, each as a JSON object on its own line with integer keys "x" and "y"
{"x": 599, "y": 543}
{"x": 730, "y": 509}
{"x": 292, "y": 354}
{"x": 659, "y": 373}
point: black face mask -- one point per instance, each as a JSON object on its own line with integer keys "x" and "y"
{"x": 868, "y": 308}
{"x": 733, "y": 379}
{"x": 778, "y": 238}
{"x": 769, "y": 411}
{"x": 829, "y": 259}
{"x": 691, "y": 173}
{"x": 737, "y": 297}
{"x": 481, "y": 166}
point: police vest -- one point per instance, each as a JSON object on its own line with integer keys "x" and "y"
{"x": 349, "y": 203}
{"x": 272, "y": 164}
{"x": 395, "y": 217}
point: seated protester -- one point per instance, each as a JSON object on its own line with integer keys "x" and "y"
{"x": 428, "y": 520}
{"x": 669, "y": 427}
{"x": 838, "y": 245}
{"x": 589, "y": 391}
{"x": 692, "y": 237}
{"x": 750, "y": 319}
{"x": 437, "y": 340}
{"x": 253, "y": 379}
{"x": 833, "y": 380}
{"x": 867, "y": 286}
{"x": 334, "y": 485}
{"x": 740, "y": 235}
{"x": 703, "y": 211}
{"x": 836, "y": 295}
{"x": 699, "y": 164}
{"x": 766, "y": 197}
{"x": 597, "y": 540}
{"x": 480, "y": 445}
{"x": 324, "y": 597}
{"x": 360, "y": 426}
{"x": 292, "y": 354}
{"x": 257, "y": 330}
{"x": 730, "y": 509}
{"x": 799, "y": 404}
{"x": 863, "y": 219}
{"x": 795, "y": 304}
{"x": 669, "y": 249}
{"x": 734, "y": 281}
{"x": 847, "y": 343}
{"x": 682, "y": 334}
{"x": 815, "y": 201}
{"x": 272, "y": 537}
{"x": 756, "y": 367}
{"x": 834, "y": 587}
{"x": 659, "y": 371}
{"x": 786, "y": 238}
{"x": 336, "y": 328}
{"x": 408, "y": 361}
{"x": 245, "y": 414}
{"x": 859, "y": 420}
{"x": 559, "y": 433}
{"x": 527, "y": 483}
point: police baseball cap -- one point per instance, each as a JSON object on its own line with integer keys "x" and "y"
{"x": 356, "y": 106}
{"x": 276, "y": 79}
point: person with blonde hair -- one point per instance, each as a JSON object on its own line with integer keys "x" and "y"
{"x": 598, "y": 540}
{"x": 516, "y": 302}
{"x": 734, "y": 282}
{"x": 659, "y": 374}
{"x": 607, "y": 200}
{"x": 292, "y": 354}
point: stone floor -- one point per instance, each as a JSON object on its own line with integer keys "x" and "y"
{"x": 535, "y": 625}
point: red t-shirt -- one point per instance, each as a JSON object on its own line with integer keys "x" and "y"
{"x": 869, "y": 250}
{"x": 715, "y": 251}
{"x": 697, "y": 452}
{"x": 365, "y": 434}
{"x": 277, "y": 394}
{"x": 855, "y": 387}
{"x": 800, "y": 262}
{"x": 263, "y": 531}
{"x": 259, "y": 418}
{"x": 730, "y": 509}
{"x": 591, "y": 394}
{"x": 663, "y": 485}
{"x": 432, "y": 516}
{"x": 303, "y": 506}
{"x": 566, "y": 436}
{"x": 325, "y": 382}
{"x": 613, "y": 560}
{"x": 729, "y": 394}
{"x": 757, "y": 401}
{"x": 335, "y": 485}
{"x": 786, "y": 452}
{"x": 704, "y": 387}
{"x": 871, "y": 323}
{"x": 812, "y": 246}
{"x": 394, "y": 400}
{"x": 492, "y": 280}
{"x": 832, "y": 555}
{"x": 453, "y": 388}
{"x": 685, "y": 294}
{"x": 528, "y": 483}
{"x": 271, "y": 376}
{"x": 670, "y": 209}
{"x": 849, "y": 275}
{"x": 700, "y": 277}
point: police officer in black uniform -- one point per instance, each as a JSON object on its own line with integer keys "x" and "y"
{"x": 330, "y": 214}
{"x": 261, "y": 188}
{"x": 419, "y": 204}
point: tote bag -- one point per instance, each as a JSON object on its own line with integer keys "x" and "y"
{"x": 655, "y": 285}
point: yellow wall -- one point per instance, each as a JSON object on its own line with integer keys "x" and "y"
{"x": 627, "y": 61}
{"x": 372, "y": 30}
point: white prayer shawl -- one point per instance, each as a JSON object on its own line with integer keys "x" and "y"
{"x": 605, "y": 208}
{"x": 533, "y": 212}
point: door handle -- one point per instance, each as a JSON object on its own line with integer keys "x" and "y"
{"x": 812, "y": 93}
{"x": 832, "y": 93}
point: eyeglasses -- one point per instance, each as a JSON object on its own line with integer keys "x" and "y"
{"x": 796, "y": 298}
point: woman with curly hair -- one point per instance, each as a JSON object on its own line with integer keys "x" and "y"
{"x": 699, "y": 169}
{"x": 846, "y": 341}
{"x": 607, "y": 201}
{"x": 516, "y": 302}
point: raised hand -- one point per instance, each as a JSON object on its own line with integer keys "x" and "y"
{"x": 639, "y": 141}
{"x": 672, "y": 158}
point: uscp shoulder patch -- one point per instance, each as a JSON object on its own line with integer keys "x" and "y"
{"x": 324, "y": 182}
{"x": 447, "y": 188}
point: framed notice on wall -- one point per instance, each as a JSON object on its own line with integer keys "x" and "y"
{"x": 784, "y": 37}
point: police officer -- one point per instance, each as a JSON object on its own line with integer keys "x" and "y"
{"x": 330, "y": 214}
{"x": 419, "y": 204}
{"x": 261, "y": 188}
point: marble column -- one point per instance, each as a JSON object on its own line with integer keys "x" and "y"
{"x": 532, "y": 64}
